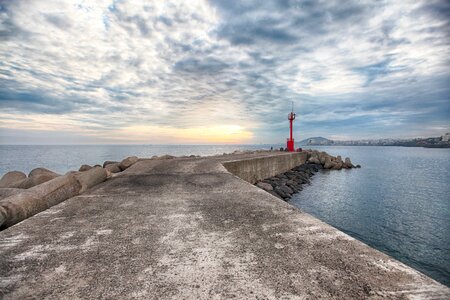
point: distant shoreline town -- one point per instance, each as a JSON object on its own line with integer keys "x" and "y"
{"x": 430, "y": 142}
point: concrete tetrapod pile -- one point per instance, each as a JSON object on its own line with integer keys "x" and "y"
{"x": 328, "y": 161}
{"x": 22, "y": 197}
{"x": 288, "y": 183}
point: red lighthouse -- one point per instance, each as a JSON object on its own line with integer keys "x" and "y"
{"x": 290, "y": 140}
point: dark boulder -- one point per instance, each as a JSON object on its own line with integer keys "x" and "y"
{"x": 287, "y": 190}
{"x": 281, "y": 192}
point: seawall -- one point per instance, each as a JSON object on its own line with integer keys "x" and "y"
{"x": 188, "y": 228}
{"x": 259, "y": 168}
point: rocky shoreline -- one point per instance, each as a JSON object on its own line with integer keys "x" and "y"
{"x": 285, "y": 185}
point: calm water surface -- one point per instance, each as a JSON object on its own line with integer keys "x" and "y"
{"x": 398, "y": 202}
{"x": 70, "y": 157}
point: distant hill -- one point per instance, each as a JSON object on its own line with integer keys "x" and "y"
{"x": 318, "y": 140}
{"x": 431, "y": 142}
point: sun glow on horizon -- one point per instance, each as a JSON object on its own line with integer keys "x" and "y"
{"x": 222, "y": 134}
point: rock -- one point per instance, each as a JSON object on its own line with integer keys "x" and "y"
{"x": 290, "y": 175}
{"x": 264, "y": 186}
{"x": 314, "y": 160}
{"x": 37, "y": 179}
{"x": 23, "y": 205}
{"x": 287, "y": 190}
{"x": 128, "y": 162}
{"x": 272, "y": 183}
{"x": 280, "y": 192}
{"x": 6, "y": 192}
{"x": 348, "y": 163}
{"x": 314, "y": 167}
{"x": 322, "y": 157}
{"x": 113, "y": 168}
{"x": 12, "y": 179}
{"x": 328, "y": 163}
{"x": 282, "y": 181}
{"x": 293, "y": 186}
{"x": 91, "y": 178}
{"x": 84, "y": 168}
{"x": 109, "y": 162}
{"x": 302, "y": 178}
{"x": 337, "y": 166}
{"x": 42, "y": 171}
{"x": 358, "y": 166}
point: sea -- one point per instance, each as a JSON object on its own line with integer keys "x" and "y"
{"x": 398, "y": 202}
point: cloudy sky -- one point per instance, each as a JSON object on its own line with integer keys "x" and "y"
{"x": 221, "y": 71}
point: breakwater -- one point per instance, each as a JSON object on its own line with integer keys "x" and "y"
{"x": 284, "y": 185}
{"x": 187, "y": 227}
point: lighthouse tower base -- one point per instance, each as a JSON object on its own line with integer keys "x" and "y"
{"x": 290, "y": 145}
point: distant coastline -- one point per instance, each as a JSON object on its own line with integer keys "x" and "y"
{"x": 430, "y": 142}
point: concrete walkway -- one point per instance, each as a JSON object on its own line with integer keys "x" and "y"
{"x": 188, "y": 229}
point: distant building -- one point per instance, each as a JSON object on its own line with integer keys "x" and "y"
{"x": 446, "y": 137}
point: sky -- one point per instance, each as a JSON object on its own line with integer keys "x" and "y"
{"x": 222, "y": 72}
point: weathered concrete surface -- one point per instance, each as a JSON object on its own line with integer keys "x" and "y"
{"x": 188, "y": 229}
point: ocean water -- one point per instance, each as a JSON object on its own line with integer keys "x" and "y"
{"x": 64, "y": 158}
{"x": 398, "y": 202}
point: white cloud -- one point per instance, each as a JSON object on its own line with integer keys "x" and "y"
{"x": 108, "y": 65}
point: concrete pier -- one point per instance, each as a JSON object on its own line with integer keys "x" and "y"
{"x": 187, "y": 228}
